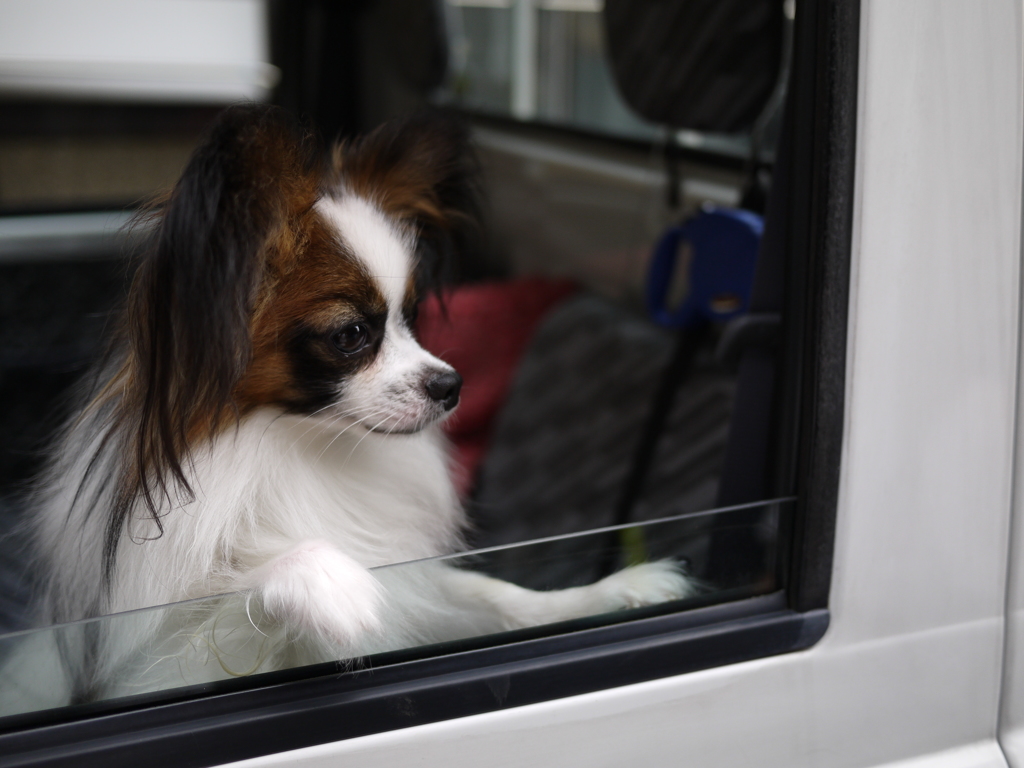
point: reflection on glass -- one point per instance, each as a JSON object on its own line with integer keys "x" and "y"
{"x": 481, "y": 57}
{"x": 215, "y": 639}
{"x": 574, "y": 81}
{"x": 553, "y": 68}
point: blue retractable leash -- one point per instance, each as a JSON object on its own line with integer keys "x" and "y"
{"x": 723, "y": 243}
{"x": 723, "y": 246}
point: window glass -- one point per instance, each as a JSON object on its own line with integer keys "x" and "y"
{"x": 481, "y": 53}
{"x": 601, "y": 425}
{"x": 542, "y": 61}
{"x": 546, "y": 60}
{"x": 574, "y": 84}
{"x": 228, "y": 638}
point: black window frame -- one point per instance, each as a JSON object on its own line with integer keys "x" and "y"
{"x": 206, "y": 726}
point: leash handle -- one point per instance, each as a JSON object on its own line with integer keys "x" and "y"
{"x": 722, "y": 257}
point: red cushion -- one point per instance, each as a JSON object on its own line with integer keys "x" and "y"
{"x": 483, "y": 330}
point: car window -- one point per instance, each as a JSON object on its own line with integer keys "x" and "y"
{"x": 636, "y": 322}
{"x": 547, "y": 61}
{"x": 228, "y": 642}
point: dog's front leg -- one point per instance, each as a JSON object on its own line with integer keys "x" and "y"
{"x": 321, "y": 592}
{"x": 502, "y": 605}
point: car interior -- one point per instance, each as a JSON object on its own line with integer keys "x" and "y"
{"x": 626, "y": 318}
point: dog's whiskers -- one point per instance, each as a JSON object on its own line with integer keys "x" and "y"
{"x": 387, "y": 415}
{"x": 313, "y": 426}
{"x": 370, "y": 415}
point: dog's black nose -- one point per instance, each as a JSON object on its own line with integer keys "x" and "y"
{"x": 444, "y": 388}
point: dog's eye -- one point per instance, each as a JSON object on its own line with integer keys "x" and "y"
{"x": 351, "y": 338}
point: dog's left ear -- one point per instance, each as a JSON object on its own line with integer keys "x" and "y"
{"x": 189, "y": 311}
{"x": 422, "y": 171}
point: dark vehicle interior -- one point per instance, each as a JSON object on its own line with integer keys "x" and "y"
{"x": 632, "y": 321}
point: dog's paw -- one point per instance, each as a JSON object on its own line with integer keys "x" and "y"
{"x": 319, "y": 591}
{"x": 645, "y": 584}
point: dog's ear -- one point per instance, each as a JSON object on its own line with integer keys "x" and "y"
{"x": 422, "y": 170}
{"x": 190, "y": 305}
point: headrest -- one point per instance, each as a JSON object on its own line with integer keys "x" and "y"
{"x": 708, "y": 65}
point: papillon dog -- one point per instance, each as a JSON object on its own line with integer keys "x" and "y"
{"x": 267, "y": 426}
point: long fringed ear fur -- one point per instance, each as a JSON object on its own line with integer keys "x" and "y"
{"x": 188, "y": 314}
{"x": 421, "y": 170}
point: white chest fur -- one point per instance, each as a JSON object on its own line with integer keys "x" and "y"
{"x": 278, "y": 480}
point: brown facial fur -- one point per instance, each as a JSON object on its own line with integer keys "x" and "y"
{"x": 313, "y": 291}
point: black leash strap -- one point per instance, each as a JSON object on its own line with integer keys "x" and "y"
{"x": 688, "y": 343}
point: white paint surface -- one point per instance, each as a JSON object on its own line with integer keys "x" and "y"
{"x": 1011, "y": 721}
{"x": 910, "y": 668}
{"x": 182, "y": 50}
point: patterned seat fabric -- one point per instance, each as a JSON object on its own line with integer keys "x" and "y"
{"x": 566, "y": 435}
